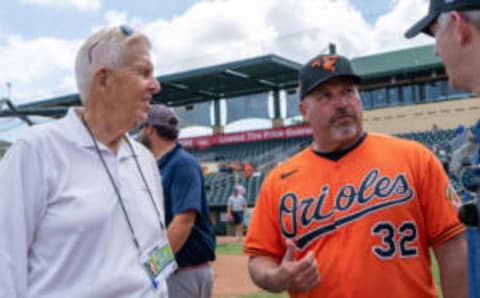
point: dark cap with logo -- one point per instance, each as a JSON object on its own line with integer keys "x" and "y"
{"x": 436, "y": 8}
{"x": 161, "y": 115}
{"x": 323, "y": 68}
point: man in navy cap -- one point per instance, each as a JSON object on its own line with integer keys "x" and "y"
{"x": 455, "y": 25}
{"x": 189, "y": 228}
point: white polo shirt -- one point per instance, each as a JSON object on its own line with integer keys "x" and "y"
{"x": 63, "y": 233}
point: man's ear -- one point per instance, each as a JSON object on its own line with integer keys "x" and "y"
{"x": 463, "y": 29}
{"x": 149, "y": 129}
{"x": 303, "y": 110}
{"x": 101, "y": 77}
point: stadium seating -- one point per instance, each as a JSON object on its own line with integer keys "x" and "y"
{"x": 251, "y": 151}
{"x": 265, "y": 155}
{"x": 219, "y": 187}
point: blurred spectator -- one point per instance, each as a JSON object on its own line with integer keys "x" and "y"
{"x": 235, "y": 210}
{"x": 226, "y": 168}
{"x": 236, "y": 166}
{"x": 463, "y": 145}
{"x": 460, "y": 129}
{"x": 239, "y": 187}
{"x": 444, "y": 159}
{"x": 248, "y": 170}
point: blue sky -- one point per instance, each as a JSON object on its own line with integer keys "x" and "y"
{"x": 39, "y": 38}
{"x": 65, "y": 21}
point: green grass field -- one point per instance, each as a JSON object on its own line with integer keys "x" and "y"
{"x": 229, "y": 248}
{"x": 236, "y": 248}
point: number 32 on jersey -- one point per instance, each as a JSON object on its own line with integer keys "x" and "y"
{"x": 399, "y": 239}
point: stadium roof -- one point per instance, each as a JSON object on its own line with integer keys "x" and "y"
{"x": 401, "y": 62}
{"x": 250, "y": 76}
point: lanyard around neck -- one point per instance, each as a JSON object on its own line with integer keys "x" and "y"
{"x": 117, "y": 190}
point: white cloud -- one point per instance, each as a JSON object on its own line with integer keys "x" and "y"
{"x": 116, "y": 18}
{"x": 27, "y": 60}
{"x": 38, "y": 67}
{"x": 389, "y": 28}
{"x": 317, "y": 24}
{"x": 213, "y": 32}
{"x": 84, "y": 5}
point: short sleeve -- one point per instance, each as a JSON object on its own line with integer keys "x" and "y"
{"x": 186, "y": 189}
{"x": 438, "y": 200}
{"x": 263, "y": 235}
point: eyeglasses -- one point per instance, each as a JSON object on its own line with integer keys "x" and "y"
{"x": 126, "y": 31}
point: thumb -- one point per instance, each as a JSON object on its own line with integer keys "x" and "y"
{"x": 290, "y": 252}
{"x": 309, "y": 258}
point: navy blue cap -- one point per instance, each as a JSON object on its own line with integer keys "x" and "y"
{"x": 436, "y": 8}
{"x": 161, "y": 115}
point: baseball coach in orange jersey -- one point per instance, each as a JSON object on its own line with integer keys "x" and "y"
{"x": 355, "y": 213}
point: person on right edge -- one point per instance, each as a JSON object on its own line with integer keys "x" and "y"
{"x": 455, "y": 25}
{"x": 355, "y": 214}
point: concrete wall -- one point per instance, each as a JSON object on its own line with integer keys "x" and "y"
{"x": 421, "y": 117}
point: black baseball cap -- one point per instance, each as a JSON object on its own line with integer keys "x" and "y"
{"x": 436, "y": 8}
{"x": 323, "y": 68}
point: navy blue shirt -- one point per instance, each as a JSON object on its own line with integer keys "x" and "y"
{"x": 473, "y": 242}
{"x": 184, "y": 190}
{"x": 473, "y": 249}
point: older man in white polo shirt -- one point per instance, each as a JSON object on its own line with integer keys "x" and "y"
{"x": 81, "y": 206}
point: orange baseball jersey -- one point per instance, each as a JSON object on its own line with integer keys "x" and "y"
{"x": 369, "y": 218}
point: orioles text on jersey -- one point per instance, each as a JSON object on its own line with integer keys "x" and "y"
{"x": 375, "y": 192}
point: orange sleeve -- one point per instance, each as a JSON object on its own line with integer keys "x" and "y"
{"x": 438, "y": 200}
{"x": 263, "y": 235}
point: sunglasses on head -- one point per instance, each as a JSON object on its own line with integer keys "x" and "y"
{"x": 126, "y": 31}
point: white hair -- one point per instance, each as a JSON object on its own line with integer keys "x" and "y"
{"x": 443, "y": 20}
{"x": 105, "y": 48}
{"x": 472, "y": 16}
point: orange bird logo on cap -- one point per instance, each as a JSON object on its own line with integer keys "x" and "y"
{"x": 327, "y": 62}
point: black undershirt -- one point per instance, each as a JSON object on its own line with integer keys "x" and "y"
{"x": 336, "y": 155}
